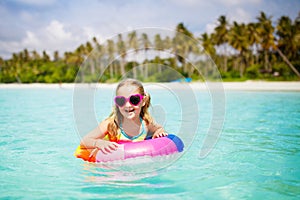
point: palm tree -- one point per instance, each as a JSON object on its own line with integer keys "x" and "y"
{"x": 146, "y": 45}
{"x": 96, "y": 54}
{"x": 1, "y": 71}
{"x": 182, "y": 29}
{"x": 17, "y": 64}
{"x": 56, "y": 56}
{"x": 79, "y": 54}
{"x": 287, "y": 37}
{"x": 86, "y": 52}
{"x": 158, "y": 43}
{"x": 167, "y": 43}
{"x": 207, "y": 44}
{"x": 209, "y": 48}
{"x": 193, "y": 50}
{"x": 97, "y": 45}
{"x": 133, "y": 43}
{"x": 26, "y": 55}
{"x": 288, "y": 41}
{"x": 238, "y": 39}
{"x": 121, "y": 46}
{"x": 88, "y": 48}
{"x": 159, "y": 46}
{"x": 221, "y": 37}
{"x": 288, "y": 62}
{"x": 253, "y": 38}
{"x": 46, "y": 57}
{"x": 182, "y": 45}
{"x": 266, "y": 34}
{"x": 111, "y": 52}
{"x": 77, "y": 58}
{"x": 35, "y": 55}
{"x": 67, "y": 56}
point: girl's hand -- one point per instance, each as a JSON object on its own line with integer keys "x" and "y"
{"x": 106, "y": 146}
{"x": 159, "y": 133}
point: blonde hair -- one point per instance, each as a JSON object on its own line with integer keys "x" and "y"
{"x": 115, "y": 118}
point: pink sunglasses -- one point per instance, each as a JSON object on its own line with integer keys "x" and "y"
{"x": 134, "y": 100}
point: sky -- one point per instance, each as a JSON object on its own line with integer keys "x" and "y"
{"x": 65, "y": 24}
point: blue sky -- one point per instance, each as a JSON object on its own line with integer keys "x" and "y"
{"x": 64, "y": 24}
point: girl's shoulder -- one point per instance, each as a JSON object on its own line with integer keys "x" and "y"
{"x": 104, "y": 124}
{"x": 153, "y": 126}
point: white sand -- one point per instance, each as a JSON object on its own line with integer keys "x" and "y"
{"x": 246, "y": 86}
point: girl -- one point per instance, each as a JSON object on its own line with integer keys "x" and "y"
{"x": 130, "y": 120}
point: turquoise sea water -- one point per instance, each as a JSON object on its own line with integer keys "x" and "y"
{"x": 256, "y": 157}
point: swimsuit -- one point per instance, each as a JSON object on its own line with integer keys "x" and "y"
{"x": 123, "y": 137}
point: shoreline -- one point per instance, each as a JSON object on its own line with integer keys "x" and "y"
{"x": 228, "y": 86}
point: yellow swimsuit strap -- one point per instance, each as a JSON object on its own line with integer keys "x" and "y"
{"x": 139, "y": 137}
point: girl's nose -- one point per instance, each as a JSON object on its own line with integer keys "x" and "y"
{"x": 127, "y": 104}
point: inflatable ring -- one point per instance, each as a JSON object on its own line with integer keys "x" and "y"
{"x": 152, "y": 147}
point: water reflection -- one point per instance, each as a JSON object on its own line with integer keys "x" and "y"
{"x": 109, "y": 184}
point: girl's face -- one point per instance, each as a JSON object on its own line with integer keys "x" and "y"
{"x": 130, "y": 111}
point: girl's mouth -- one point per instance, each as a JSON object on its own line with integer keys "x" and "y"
{"x": 129, "y": 110}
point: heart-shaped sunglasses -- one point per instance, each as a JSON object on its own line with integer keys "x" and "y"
{"x": 134, "y": 100}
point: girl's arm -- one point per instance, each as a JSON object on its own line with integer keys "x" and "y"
{"x": 94, "y": 139}
{"x": 156, "y": 130}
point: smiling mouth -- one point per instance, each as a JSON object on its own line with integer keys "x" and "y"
{"x": 130, "y": 110}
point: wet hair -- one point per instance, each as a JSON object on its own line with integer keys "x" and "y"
{"x": 115, "y": 118}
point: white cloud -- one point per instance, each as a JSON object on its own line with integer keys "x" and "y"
{"x": 56, "y": 32}
{"x": 64, "y": 25}
{"x": 189, "y": 3}
{"x": 7, "y": 48}
{"x": 240, "y": 15}
{"x": 52, "y": 37}
{"x": 238, "y": 2}
{"x": 210, "y": 27}
{"x": 55, "y": 36}
{"x": 31, "y": 40}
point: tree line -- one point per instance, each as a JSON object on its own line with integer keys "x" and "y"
{"x": 263, "y": 49}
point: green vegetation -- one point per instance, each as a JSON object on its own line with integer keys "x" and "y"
{"x": 257, "y": 50}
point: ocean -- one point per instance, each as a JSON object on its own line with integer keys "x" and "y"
{"x": 253, "y": 149}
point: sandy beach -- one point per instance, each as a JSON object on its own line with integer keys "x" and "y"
{"x": 238, "y": 86}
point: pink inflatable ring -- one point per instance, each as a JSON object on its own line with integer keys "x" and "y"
{"x": 151, "y": 147}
